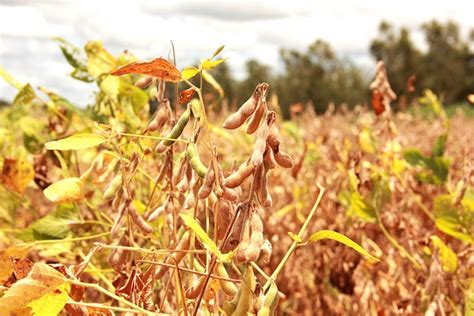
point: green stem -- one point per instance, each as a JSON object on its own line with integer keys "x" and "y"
{"x": 295, "y": 243}
{"x": 60, "y": 241}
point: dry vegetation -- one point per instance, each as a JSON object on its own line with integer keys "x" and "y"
{"x": 199, "y": 209}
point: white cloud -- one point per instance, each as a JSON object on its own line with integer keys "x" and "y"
{"x": 249, "y": 29}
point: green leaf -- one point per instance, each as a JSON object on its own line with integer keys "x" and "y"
{"x": 448, "y": 219}
{"x": 329, "y": 234}
{"x": 24, "y": 96}
{"x": 361, "y": 208}
{"x": 208, "y": 64}
{"x": 73, "y": 54}
{"x": 440, "y": 168}
{"x": 9, "y": 79}
{"x": 205, "y": 240}
{"x": 81, "y": 75}
{"x": 439, "y": 145}
{"x": 56, "y": 225}
{"x": 448, "y": 257}
{"x": 43, "y": 292}
{"x": 65, "y": 190}
{"x": 189, "y": 72}
{"x": 76, "y": 142}
{"x": 414, "y": 157}
{"x": 218, "y": 51}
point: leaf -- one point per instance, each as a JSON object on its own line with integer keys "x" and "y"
{"x": 448, "y": 257}
{"x": 439, "y": 145}
{"x": 24, "y": 96}
{"x": 447, "y": 219}
{"x": 110, "y": 85}
{"x": 15, "y": 252}
{"x": 414, "y": 157}
{"x": 43, "y": 292}
{"x": 189, "y": 72}
{"x": 17, "y": 174}
{"x": 81, "y": 75}
{"x": 66, "y": 190}
{"x": 9, "y": 79}
{"x": 99, "y": 60}
{"x": 76, "y": 142}
{"x": 55, "y": 225}
{"x": 329, "y": 234}
{"x": 156, "y": 67}
{"x": 219, "y": 50}
{"x": 208, "y": 64}
{"x": 210, "y": 79}
{"x": 73, "y": 54}
{"x": 362, "y": 208}
{"x": 205, "y": 240}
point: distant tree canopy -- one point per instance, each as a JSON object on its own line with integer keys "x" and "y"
{"x": 318, "y": 75}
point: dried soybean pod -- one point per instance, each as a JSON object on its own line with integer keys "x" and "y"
{"x": 161, "y": 117}
{"x": 157, "y": 212}
{"x": 183, "y": 184}
{"x": 256, "y": 238}
{"x": 257, "y": 116}
{"x": 194, "y": 290}
{"x": 263, "y": 194}
{"x": 248, "y": 287}
{"x": 139, "y": 221}
{"x": 230, "y": 306}
{"x": 195, "y": 161}
{"x": 229, "y": 288}
{"x": 238, "y": 118}
{"x": 118, "y": 256}
{"x": 268, "y": 159}
{"x": 183, "y": 245}
{"x": 259, "y": 147}
{"x": 283, "y": 159}
{"x": 113, "y": 187}
{"x": 244, "y": 241}
{"x": 144, "y": 82}
{"x": 271, "y": 301}
{"x": 178, "y": 128}
{"x": 207, "y": 184}
{"x": 224, "y": 217}
{"x": 116, "y": 226}
{"x": 235, "y": 179}
{"x": 266, "y": 251}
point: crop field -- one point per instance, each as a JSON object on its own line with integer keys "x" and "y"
{"x": 163, "y": 198}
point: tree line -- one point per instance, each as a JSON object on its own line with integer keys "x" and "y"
{"x": 318, "y": 75}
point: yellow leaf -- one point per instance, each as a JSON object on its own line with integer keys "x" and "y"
{"x": 9, "y": 79}
{"x": 329, "y": 234}
{"x": 99, "y": 61}
{"x": 205, "y": 240}
{"x": 16, "y": 174}
{"x": 75, "y": 142}
{"x": 207, "y": 64}
{"x": 448, "y": 257}
{"x": 43, "y": 292}
{"x": 16, "y": 252}
{"x": 66, "y": 190}
{"x": 110, "y": 85}
{"x": 189, "y": 72}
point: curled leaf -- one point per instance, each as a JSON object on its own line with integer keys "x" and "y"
{"x": 156, "y": 67}
{"x": 329, "y": 234}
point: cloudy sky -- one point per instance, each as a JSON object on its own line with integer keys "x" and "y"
{"x": 248, "y": 28}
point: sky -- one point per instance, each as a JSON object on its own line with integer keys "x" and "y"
{"x": 250, "y": 29}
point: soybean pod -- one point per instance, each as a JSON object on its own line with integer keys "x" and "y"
{"x": 195, "y": 161}
{"x": 271, "y": 301}
{"x": 178, "y": 128}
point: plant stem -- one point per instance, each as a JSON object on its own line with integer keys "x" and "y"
{"x": 295, "y": 243}
{"x": 60, "y": 241}
{"x": 97, "y": 287}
